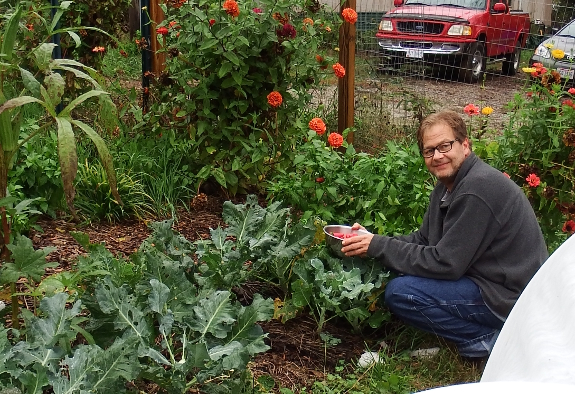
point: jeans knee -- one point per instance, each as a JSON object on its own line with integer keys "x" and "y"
{"x": 392, "y": 296}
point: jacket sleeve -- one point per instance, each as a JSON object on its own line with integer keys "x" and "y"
{"x": 468, "y": 229}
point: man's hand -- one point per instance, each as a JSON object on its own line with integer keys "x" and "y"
{"x": 356, "y": 246}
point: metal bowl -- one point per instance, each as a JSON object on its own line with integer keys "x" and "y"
{"x": 334, "y": 243}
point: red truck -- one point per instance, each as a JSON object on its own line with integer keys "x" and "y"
{"x": 460, "y": 35}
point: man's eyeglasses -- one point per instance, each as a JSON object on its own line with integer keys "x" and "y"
{"x": 444, "y": 147}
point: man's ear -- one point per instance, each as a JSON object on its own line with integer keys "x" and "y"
{"x": 466, "y": 146}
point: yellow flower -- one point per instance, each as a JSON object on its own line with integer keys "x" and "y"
{"x": 558, "y": 54}
{"x": 549, "y": 45}
{"x": 528, "y": 70}
{"x": 487, "y": 111}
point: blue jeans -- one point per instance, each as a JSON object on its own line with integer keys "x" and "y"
{"x": 451, "y": 309}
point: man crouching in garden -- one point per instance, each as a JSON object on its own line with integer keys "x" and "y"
{"x": 477, "y": 248}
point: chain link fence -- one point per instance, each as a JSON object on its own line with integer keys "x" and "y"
{"x": 420, "y": 56}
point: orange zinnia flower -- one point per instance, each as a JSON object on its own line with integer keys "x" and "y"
{"x": 471, "y": 109}
{"x": 335, "y": 140}
{"x": 231, "y": 8}
{"x": 98, "y": 49}
{"x": 317, "y": 125}
{"x": 349, "y": 15}
{"x": 308, "y": 21}
{"x": 533, "y": 180}
{"x": 275, "y": 99}
{"x": 338, "y": 70}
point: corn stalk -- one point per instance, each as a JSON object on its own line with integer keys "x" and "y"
{"x": 48, "y": 93}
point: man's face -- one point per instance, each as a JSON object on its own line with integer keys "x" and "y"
{"x": 444, "y": 165}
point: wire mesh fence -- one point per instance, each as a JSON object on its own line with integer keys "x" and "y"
{"x": 414, "y": 57}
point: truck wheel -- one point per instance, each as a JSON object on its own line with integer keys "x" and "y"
{"x": 511, "y": 62}
{"x": 473, "y": 63}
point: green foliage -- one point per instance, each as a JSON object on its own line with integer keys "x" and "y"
{"x": 388, "y": 192}
{"x": 257, "y": 242}
{"x": 234, "y": 63}
{"x": 95, "y": 200}
{"x": 333, "y": 287}
{"x": 50, "y": 357}
{"x": 26, "y": 262}
{"x": 37, "y": 171}
{"x": 165, "y": 167}
{"x": 540, "y": 140}
{"x": 123, "y": 62}
{"x": 106, "y": 16}
{"x": 49, "y": 93}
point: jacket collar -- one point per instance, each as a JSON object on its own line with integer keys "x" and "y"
{"x": 466, "y": 166}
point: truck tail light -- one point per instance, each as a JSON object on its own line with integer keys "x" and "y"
{"x": 385, "y": 25}
{"x": 459, "y": 30}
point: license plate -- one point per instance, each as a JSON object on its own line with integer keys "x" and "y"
{"x": 414, "y": 52}
{"x": 566, "y": 73}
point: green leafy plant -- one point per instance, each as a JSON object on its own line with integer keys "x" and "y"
{"x": 537, "y": 150}
{"x": 95, "y": 200}
{"x": 24, "y": 262}
{"x": 49, "y": 94}
{"x": 237, "y": 56}
{"x": 50, "y": 356}
{"x": 388, "y": 192}
{"x": 333, "y": 288}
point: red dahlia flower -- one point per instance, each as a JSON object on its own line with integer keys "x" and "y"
{"x": 212, "y": 21}
{"x": 162, "y": 30}
{"x": 275, "y": 99}
{"x": 232, "y": 8}
{"x": 335, "y": 140}
{"x": 471, "y": 109}
{"x": 569, "y": 227}
{"x": 571, "y": 91}
{"x": 317, "y": 125}
{"x": 533, "y": 180}
{"x": 349, "y": 15}
{"x": 319, "y": 179}
{"x": 338, "y": 70}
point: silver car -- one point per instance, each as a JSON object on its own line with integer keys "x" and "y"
{"x": 564, "y": 40}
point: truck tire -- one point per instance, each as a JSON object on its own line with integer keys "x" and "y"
{"x": 473, "y": 63}
{"x": 511, "y": 62}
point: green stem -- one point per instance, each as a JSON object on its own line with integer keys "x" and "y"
{"x": 15, "y": 307}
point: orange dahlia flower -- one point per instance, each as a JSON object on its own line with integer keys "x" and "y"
{"x": 317, "y": 125}
{"x": 275, "y": 99}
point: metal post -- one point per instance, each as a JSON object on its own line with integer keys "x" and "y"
{"x": 146, "y": 52}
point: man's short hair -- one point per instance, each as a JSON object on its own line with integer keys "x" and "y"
{"x": 449, "y": 118}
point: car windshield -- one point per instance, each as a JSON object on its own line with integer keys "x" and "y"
{"x": 474, "y": 4}
{"x": 567, "y": 31}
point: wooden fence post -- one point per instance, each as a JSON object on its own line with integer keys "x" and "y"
{"x": 158, "y": 59}
{"x": 346, "y": 84}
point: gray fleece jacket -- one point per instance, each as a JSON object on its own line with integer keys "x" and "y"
{"x": 485, "y": 229}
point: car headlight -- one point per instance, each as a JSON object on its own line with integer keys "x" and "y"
{"x": 543, "y": 51}
{"x": 459, "y": 30}
{"x": 385, "y": 25}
